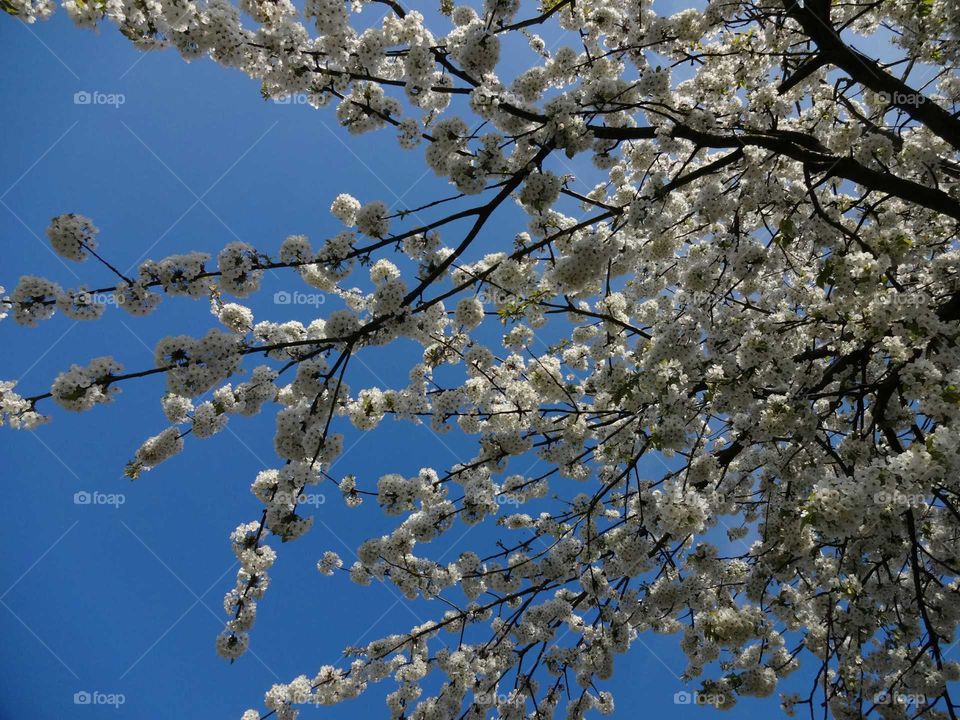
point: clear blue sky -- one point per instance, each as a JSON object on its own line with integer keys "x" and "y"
{"x": 128, "y": 600}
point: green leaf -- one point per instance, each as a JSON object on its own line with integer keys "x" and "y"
{"x": 788, "y": 231}
{"x": 951, "y": 394}
{"x": 825, "y": 277}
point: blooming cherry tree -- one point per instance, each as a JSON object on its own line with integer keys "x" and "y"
{"x": 764, "y": 291}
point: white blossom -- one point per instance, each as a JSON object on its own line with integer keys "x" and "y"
{"x": 72, "y": 236}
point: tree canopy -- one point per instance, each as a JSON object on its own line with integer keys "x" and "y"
{"x": 764, "y": 292}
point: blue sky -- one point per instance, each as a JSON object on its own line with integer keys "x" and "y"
{"x": 127, "y": 600}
